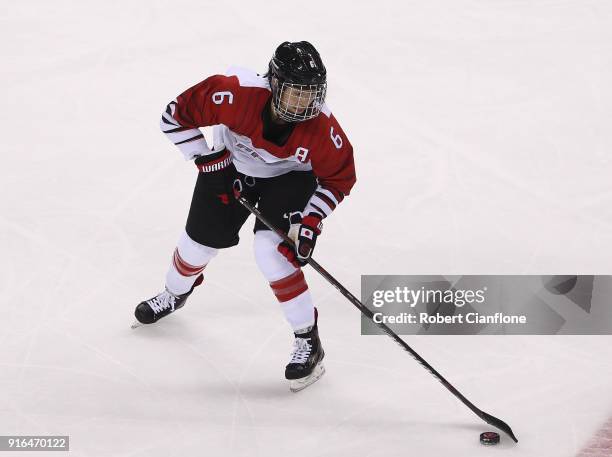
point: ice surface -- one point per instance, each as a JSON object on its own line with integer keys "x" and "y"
{"x": 482, "y": 140}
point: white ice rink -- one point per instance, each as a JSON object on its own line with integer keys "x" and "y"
{"x": 483, "y": 142}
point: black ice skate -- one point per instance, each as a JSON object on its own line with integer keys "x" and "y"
{"x": 306, "y": 364}
{"x": 153, "y": 309}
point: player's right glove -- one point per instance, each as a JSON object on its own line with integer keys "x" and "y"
{"x": 211, "y": 163}
{"x": 220, "y": 174}
{"x": 303, "y": 230}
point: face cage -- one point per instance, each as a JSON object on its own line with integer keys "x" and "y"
{"x": 299, "y": 102}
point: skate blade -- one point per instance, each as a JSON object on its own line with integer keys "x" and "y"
{"x": 295, "y": 385}
{"x": 136, "y": 324}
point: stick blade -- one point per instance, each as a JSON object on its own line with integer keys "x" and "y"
{"x": 498, "y": 423}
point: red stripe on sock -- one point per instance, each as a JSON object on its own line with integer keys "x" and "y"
{"x": 183, "y": 267}
{"x": 291, "y": 292}
{"x": 290, "y": 287}
{"x": 291, "y": 295}
{"x": 294, "y": 278}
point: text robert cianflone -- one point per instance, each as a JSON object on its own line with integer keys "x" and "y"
{"x": 412, "y": 297}
{"x": 468, "y": 318}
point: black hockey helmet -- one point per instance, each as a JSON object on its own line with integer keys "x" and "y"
{"x": 298, "y": 80}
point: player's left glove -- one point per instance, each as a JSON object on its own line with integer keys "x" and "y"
{"x": 303, "y": 230}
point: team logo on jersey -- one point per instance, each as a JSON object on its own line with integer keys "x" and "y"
{"x": 248, "y": 150}
{"x": 301, "y": 154}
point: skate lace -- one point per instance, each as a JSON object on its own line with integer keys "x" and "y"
{"x": 301, "y": 350}
{"x": 163, "y": 301}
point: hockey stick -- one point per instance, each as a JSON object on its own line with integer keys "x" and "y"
{"x": 489, "y": 419}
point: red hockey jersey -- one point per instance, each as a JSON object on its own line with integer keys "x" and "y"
{"x": 233, "y": 103}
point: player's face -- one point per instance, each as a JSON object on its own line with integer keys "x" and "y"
{"x": 295, "y": 100}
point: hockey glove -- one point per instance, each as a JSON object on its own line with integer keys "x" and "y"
{"x": 211, "y": 163}
{"x": 220, "y": 174}
{"x": 304, "y": 232}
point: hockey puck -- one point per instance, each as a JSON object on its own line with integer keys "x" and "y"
{"x": 489, "y": 438}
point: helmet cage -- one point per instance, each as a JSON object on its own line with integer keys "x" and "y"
{"x": 295, "y": 102}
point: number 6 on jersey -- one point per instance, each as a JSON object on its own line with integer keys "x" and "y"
{"x": 219, "y": 97}
{"x": 337, "y": 139}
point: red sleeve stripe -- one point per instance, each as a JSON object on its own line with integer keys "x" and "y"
{"x": 316, "y": 208}
{"x": 183, "y": 267}
{"x": 328, "y": 201}
{"x": 289, "y": 287}
{"x": 321, "y": 204}
{"x": 339, "y": 196}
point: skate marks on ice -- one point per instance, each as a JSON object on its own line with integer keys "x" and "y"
{"x": 248, "y": 384}
{"x": 229, "y": 385}
{"x": 295, "y": 385}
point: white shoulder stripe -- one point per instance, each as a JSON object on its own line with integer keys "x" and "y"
{"x": 248, "y": 78}
{"x": 325, "y": 110}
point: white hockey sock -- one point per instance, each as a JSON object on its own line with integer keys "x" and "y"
{"x": 299, "y": 311}
{"x": 188, "y": 261}
{"x": 286, "y": 281}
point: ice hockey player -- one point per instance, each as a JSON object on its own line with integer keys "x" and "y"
{"x": 277, "y": 144}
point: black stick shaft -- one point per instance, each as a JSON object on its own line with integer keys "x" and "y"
{"x": 491, "y": 420}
